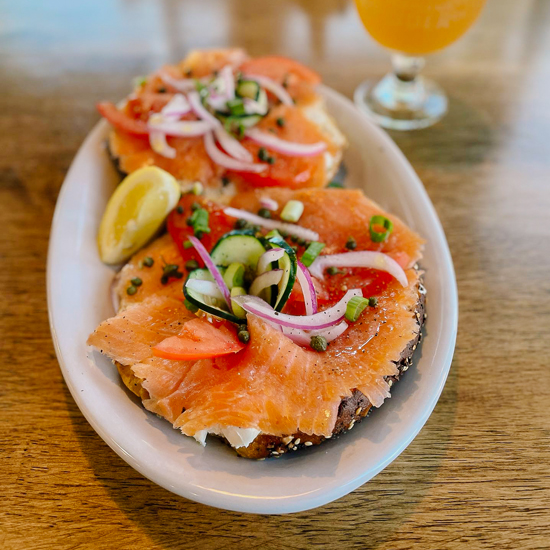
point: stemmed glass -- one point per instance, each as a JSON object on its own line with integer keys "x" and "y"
{"x": 404, "y": 100}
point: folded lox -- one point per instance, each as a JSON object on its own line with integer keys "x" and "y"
{"x": 289, "y": 395}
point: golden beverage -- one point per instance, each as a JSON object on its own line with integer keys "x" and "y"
{"x": 418, "y": 27}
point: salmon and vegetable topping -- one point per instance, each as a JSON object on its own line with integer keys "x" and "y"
{"x": 221, "y": 117}
{"x": 258, "y": 320}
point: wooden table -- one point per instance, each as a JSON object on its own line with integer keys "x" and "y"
{"x": 478, "y": 475}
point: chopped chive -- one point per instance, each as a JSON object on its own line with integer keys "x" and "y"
{"x": 294, "y": 238}
{"x": 195, "y": 206}
{"x": 336, "y": 185}
{"x": 225, "y": 181}
{"x": 319, "y": 343}
{"x": 373, "y": 302}
{"x": 131, "y": 290}
{"x": 162, "y": 90}
{"x": 187, "y": 245}
{"x": 301, "y": 241}
{"x": 312, "y": 251}
{"x": 351, "y": 244}
{"x": 240, "y": 224}
{"x": 262, "y": 154}
{"x": 333, "y": 270}
{"x": 280, "y": 122}
{"x": 270, "y": 160}
{"x": 136, "y": 281}
{"x": 199, "y": 221}
{"x": 380, "y": 236}
{"x": 292, "y": 211}
{"x": 355, "y": 307}
{"x": 179, "y": 209}
{"x": 148, "y": 261}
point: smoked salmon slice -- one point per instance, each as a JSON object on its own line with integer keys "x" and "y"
{"x": 273, "y": 385}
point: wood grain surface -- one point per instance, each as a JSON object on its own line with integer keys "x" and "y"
{"x": 478, "y": 475}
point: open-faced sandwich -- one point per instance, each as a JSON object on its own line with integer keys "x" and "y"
{"x": 227, "y": 120}
{"x": 275, "y": 321}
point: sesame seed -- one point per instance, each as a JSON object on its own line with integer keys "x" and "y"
{"x": 414, "y": 347}
{"x": 328, "y": 436}
{"x": 352, "y": 423}
{"x": 274, "y": 453}
{"x": 390, "y": 383}
{"x": 358, "y": 411}
{"x": 287, "y": 440}
{"x": 405, "y": 368}
{"x": 294, "y": 448}
{"x": 297, "y": 442}
{"x": 308, "y": 443}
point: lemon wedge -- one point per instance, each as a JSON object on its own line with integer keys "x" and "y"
{"x": 135, "y": 213}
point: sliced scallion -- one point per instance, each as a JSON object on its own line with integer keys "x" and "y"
{"x": 355, "y": 307}
{"x": 292, "y": 211}
{"x": 380, "y": 236}
{"x": 312, "y": 251}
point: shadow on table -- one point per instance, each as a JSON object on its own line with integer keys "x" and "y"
{"x": 368, "y": 517}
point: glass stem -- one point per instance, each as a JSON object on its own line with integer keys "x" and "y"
{"x": 408, "y": 86}
{"x": 406, "y": 68}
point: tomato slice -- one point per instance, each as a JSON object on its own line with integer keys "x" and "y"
{"x": 199, "y": 339}
{"x": 278, "y": 68}
{"x": 219, "y": 223}
{"x": 121, "y": 121}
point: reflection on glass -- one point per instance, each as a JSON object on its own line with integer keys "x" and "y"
{"x": 403, "y": 100}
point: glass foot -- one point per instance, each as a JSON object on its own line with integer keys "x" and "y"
{"x": 400, "y": 104}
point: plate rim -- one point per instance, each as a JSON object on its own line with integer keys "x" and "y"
{"x": 244, "y": 503}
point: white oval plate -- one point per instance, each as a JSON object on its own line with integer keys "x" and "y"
{"x": 78, "y": 300}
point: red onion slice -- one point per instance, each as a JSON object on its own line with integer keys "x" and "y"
{"x": 271, "y": 86}
{"x": 157, "y": 141}
{"x": 363, "y": 258}
{"x": 292, "y": 229}
{"x": 303, "y": 337}
{"x": 211, "y": 266}
{"x": 176, "y": 107}
{"x": 268, "y": 257}
{"x": 201, "y": 111}
{"x": 324, "y": 319}
{"x": 308, "y": 290}
{"x": 289, "y": 148}
{"x": 232, "y": 146}
{"x": 180, "y": 84}
{"x": 219, "y": 157}
{"x": 265, "y": 280}
{"x": 226, "y": 74}
{"x": 269, "y": 203}
{"x": 178, "y": 128}
{"x": 206, "y": 288}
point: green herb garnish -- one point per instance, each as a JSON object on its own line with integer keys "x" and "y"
{"x": 380, "y": 236}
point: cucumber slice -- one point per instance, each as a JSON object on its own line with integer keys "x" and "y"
{"x": 234, "y": 275}
{"x": 289, "y": 264}
{"x": 238, "y": 247}
{"x": 237, "y": 309}
{"x": 248, "y": 88}
{"x": 199, "y": 300}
